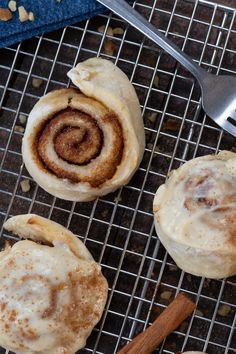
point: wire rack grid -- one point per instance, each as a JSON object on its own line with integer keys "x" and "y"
{"x": 118, "y": 229}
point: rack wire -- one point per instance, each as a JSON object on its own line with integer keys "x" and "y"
{"x": 118, "y": 229}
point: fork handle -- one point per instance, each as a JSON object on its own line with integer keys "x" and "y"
{"x": 129, "y": 14}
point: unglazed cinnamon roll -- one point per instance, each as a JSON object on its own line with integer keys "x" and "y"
{"x": 79, "y": 145}
{"x": 195, "y": 215}
{"x": 51, "y": 294}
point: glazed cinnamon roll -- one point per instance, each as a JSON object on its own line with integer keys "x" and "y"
{"x": 51, "y": 294}
{"x": 195, "y": 215}
{"x": 79, "y": 145}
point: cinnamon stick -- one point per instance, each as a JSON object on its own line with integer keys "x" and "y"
{"x": 167, "y": 322}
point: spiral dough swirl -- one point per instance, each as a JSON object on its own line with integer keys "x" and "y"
{"x": 76, "y": 139}
{"x": 82, "y": 144}
{"x": 195, "y": 215}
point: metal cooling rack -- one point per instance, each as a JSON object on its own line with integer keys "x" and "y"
{"x": 118, "y": 229}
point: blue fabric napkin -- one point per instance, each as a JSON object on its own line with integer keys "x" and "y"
{"x": 49, "y": 15}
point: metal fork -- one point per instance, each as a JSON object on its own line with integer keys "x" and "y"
{"x": 218, "y": 92}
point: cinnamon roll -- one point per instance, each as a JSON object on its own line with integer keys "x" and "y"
{"x": 195, "y": 215}
{"x": 79, "y": 145}
{"x": 51, "y": 294}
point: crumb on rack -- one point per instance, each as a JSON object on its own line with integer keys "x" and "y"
{"x": 118, "y": 31}
{"x": 36, "y": 82}
{"x": 152, "y": 117}
{"x": 109, "y": 30}
{"x": 22, "y": 118}
{"x": 25, "y": 185}
{"x": 171, "y": 125}
{"x": 12, "y": 5}
{"x": 158, "y": 149}
{"x": 5, "y": 14}
{"x": 19, "y": 129}
{"x": 199, "y": 313}
{"x": 150, "y": 146}
{"x": 23, "y": 14}
{"x": 109, "y": 47}
{"x": 166, "y": 295}
{"x": 224, "y": 310}
{"x": 156, "y": 81}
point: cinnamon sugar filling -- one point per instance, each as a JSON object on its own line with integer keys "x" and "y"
{"x": 78, "y": 140}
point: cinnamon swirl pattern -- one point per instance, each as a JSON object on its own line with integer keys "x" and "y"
{"x": 51, "y": 295}
{"x": 79, "y": 145}
{"x": 195, "y": 215}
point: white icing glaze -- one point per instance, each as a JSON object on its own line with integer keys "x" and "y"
{"x": 195, "y": 215}
{"x": 50, "y": 299}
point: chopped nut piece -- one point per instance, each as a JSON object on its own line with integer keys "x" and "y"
{"x": 118, "y": 30}
{"x": 158, "y": 149}
{"x": 224, "y": 310}
{"x": 22, "y": 118}
{"x": 199, "y": 313}
{"x": 25, "y": 185}
{"x": 5, "y": 14}
{"x": 31, "y": 16}
{"x": 12, "y": 5}
{"x": 19, "y": 129}
{"x": 166, "y": 295}
{"x": 150, "y": 146}
{"x": 109, "y": 47}
{"x": 36, "y": 83}
{"x": 153, "y": 117}
{"x": 156, "y": 81}
{"x": 23, "y": 14}
{"x": 109, "y": 30}
{"x": 101, "y": 29}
